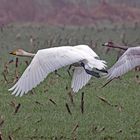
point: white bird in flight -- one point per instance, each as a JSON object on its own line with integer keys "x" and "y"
{"x": 48, "y": 60}
{"x": 129, "y": 60}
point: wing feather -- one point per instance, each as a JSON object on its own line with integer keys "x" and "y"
{"x": 80, "y": 79}
{"x": 44, "y": 62}
{"x": 129, "y": 60}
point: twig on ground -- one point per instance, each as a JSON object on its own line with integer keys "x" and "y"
{"x": 71, "y": 98}
{"x": 104, "y": 100}
{"x": 52, "y": 101}
{"x": 38, "y": 103}
{"x": 1, "y": 136}
{"x": 82, "y": 103}
{"x": 17, "y": 108}
{"x": 75, "y": 128}
{"x": 68, "y": 109}
{"x": 5, "y": 78}
{"x": 10, "y": 137}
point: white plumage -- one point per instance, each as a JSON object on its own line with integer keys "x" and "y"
{"x": 80, "y": 78}
{"x": 46, "y": 61}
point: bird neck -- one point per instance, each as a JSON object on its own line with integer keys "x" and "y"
{"x": 27, "y": 54}
{"x": 119, "y": 47}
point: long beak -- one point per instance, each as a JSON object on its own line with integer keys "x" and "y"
{"x": 13, "y": 53}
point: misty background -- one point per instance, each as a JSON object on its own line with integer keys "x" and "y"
{"x": 69, "y": 12}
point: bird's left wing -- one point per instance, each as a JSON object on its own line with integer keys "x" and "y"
{"x": 80, "y": 78}
{"x": 44, "y": 62}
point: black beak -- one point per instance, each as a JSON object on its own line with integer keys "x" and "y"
{"x": 13, "y": 53}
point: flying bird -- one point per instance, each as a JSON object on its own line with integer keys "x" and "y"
{"x": 48, "y": 60}
{"x": 111, "y": 44}
{"x": 129, "y": 60}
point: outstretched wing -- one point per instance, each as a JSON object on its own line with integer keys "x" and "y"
{"x": 44, "y": 62}
{"x": 129, "y": 60}
{"x": 87, "y": 49}
{"x": 80, "y": 78}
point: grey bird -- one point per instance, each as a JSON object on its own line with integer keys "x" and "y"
{"x": 129, "y": 60}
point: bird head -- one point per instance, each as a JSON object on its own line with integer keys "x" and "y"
{"x": 18, "y": 52}
{"x": 108, "y": 44}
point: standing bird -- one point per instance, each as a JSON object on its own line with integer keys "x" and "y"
{"x": 48, "y": 60}
{"x": 129, "y": 60}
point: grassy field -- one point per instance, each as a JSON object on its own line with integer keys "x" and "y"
{"x": 39, "y": 119}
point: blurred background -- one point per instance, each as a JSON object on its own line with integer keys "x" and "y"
{"x": 37, "y": 24}
{"x": 69, "y": 12}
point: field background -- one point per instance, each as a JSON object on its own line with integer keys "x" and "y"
{"x": 69, "y": 12}
{"x": 38, "y": 118}
{"x": 110, "y": 113}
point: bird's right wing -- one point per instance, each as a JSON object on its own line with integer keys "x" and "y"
{"x": 44, "y": 62}
{"x": 129, "y": 60}
{"x": 80, "y": 78}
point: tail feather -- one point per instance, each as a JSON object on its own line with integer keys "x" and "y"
{"x": 99, "y": 64}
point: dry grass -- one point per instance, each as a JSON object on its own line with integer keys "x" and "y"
{"x": 110, "y": 113}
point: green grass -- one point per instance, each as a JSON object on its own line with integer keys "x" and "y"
{"x": 39, "y": 119}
